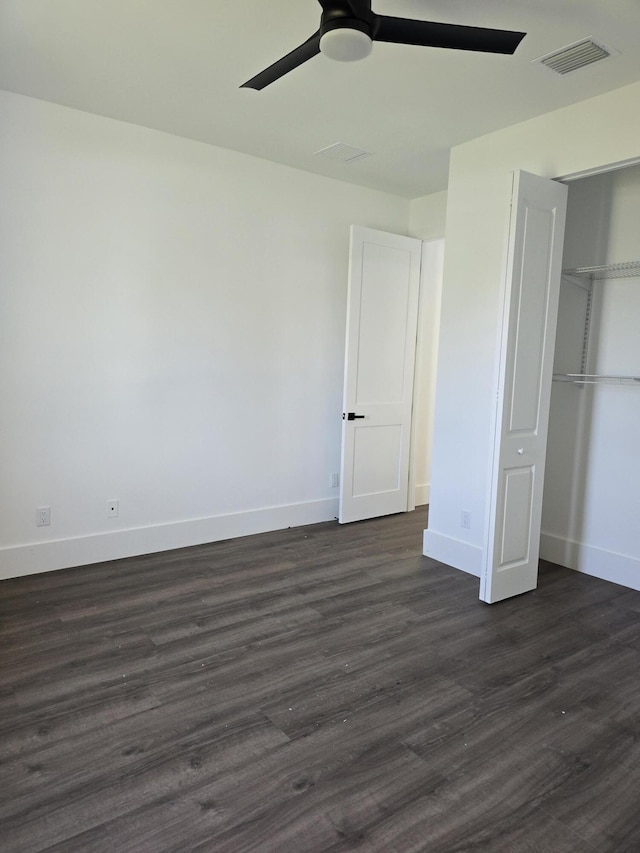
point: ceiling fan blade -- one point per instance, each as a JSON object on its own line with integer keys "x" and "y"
{"x": 360, "y": 8}
{"x": 305, "y": 51}
{"x": 454, "y": 36}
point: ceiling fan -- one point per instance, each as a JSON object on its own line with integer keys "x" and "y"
{"x": 348, "y": 29}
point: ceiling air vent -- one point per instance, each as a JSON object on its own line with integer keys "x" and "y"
{"x": 344, "y": 153}
{"x": 575, "y": 56}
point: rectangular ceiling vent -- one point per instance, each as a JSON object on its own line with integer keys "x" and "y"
{"x": 344, "y": 153}
{"x": 575, "y": 56}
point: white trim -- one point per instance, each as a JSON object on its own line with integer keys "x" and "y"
{"x": 39, "y": 557}
{"x": 606, "y": 565}
{"x": 422, "y": 494}
{"x": 599, "y": 170}
{"x": 454, "y": 552}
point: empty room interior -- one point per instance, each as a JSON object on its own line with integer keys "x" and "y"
{"x": 319, "y": 405}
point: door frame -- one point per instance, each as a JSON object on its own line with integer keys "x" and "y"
{"x": 429, "y": 299}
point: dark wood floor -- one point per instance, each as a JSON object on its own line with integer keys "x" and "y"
{"x": 318, "y": 689}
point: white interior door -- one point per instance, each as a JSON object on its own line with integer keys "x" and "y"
{"x": 382, "y": 312}
{"x": 530, "y": 312}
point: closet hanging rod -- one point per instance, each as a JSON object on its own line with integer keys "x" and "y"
{"x": 626, "y": 269}
{"x": 596, "y": 379}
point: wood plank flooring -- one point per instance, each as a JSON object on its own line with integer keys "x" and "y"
{"x": 323, "y": 688}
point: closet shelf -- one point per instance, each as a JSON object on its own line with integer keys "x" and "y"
{"x": 584, "y": 278}
{"x": 596, "y": 379}
{"x": 627, "y": 269}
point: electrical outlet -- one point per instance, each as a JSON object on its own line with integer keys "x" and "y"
{"x": 465, "y": 519}
{"x": 43, "y": 516}
{"x": 113, "y": 509}
{"x": 335, "y": 480}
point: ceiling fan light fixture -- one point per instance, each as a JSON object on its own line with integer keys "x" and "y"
{"x": 346, "y": 44}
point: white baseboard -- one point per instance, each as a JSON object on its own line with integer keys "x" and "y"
{"x": 596, "y": 562}
{"x": 63, "y": 553}
{"x": 454, "y": 552}
{"x": 422, "y": 494}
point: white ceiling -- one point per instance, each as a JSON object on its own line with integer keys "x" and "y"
{"x": 176, "y": 65}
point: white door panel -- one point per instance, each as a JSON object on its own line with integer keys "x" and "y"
{"x": 383, "y": 444}
{"x": 515, "y": 522}
{"x": 382, "y": 310}
{"x": 384, "y": 303}
{"x": 524, "y": 387}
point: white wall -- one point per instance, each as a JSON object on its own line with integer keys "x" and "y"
{"x": 585, "y": 136}
{"x": 592, "y": 482}
{"x": 172, "y": 337}
{"x": 428, "y": 215}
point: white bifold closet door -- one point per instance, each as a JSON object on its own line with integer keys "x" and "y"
{"x": 530, "y": 310}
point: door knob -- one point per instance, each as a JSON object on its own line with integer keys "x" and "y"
{"x": 351, "y": 416}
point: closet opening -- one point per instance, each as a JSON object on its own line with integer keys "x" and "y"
{"x": 591, "y": 503}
